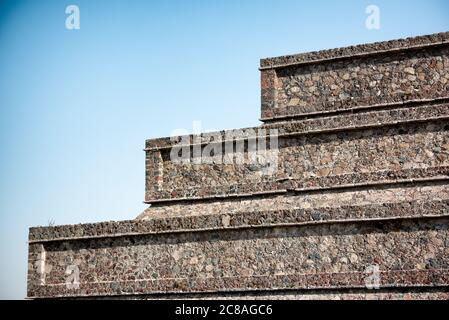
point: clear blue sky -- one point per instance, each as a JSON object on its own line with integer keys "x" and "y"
{"x": 77, "y": 105}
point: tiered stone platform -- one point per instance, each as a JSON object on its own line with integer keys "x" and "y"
{"x": 360, "y": 181}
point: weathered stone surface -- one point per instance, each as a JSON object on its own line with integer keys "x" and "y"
{"x": 322, "y": 256}
{"x": 406, "y": 113}
{"x": 411, "y": 192}
{"x": 177, "y": 222}
{"x": 329, "y": 159}
{"x": 379, "y": 74}
{"x": 317, "y": 256}
{"x": 359, "y": 50}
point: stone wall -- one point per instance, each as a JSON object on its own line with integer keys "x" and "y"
{"x": 310, "y": 159}
{"x": 355, "y": 177}
{"x": 319, "y": 256}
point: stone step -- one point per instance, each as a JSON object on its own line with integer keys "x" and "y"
{"x": 286, "y": 249}
{"x": 360, "y": 76}
{"x": 343, "y": 151}
{"x": 408, "y": 200}
{"x": 362, "y": 118}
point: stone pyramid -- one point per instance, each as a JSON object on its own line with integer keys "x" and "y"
{"x": 341, "y": 193}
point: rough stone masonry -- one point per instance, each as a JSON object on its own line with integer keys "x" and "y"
{"x": 356, "y": 208}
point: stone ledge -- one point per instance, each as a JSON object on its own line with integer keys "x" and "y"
{"x": 318, "y": 256}
{"x": 242, "y": 220}
{"x": 346, "y": 181}
{"x": 355, "y": 51}
{"x": 360, "y": 111}
{"x": 351, "y": 280}
{"x": 398, "y": 114}
{"x": 336, "y": 85}
{"x": 421, "y": 191}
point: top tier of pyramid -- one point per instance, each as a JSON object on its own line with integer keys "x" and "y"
{"x": 338, "y": 117}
